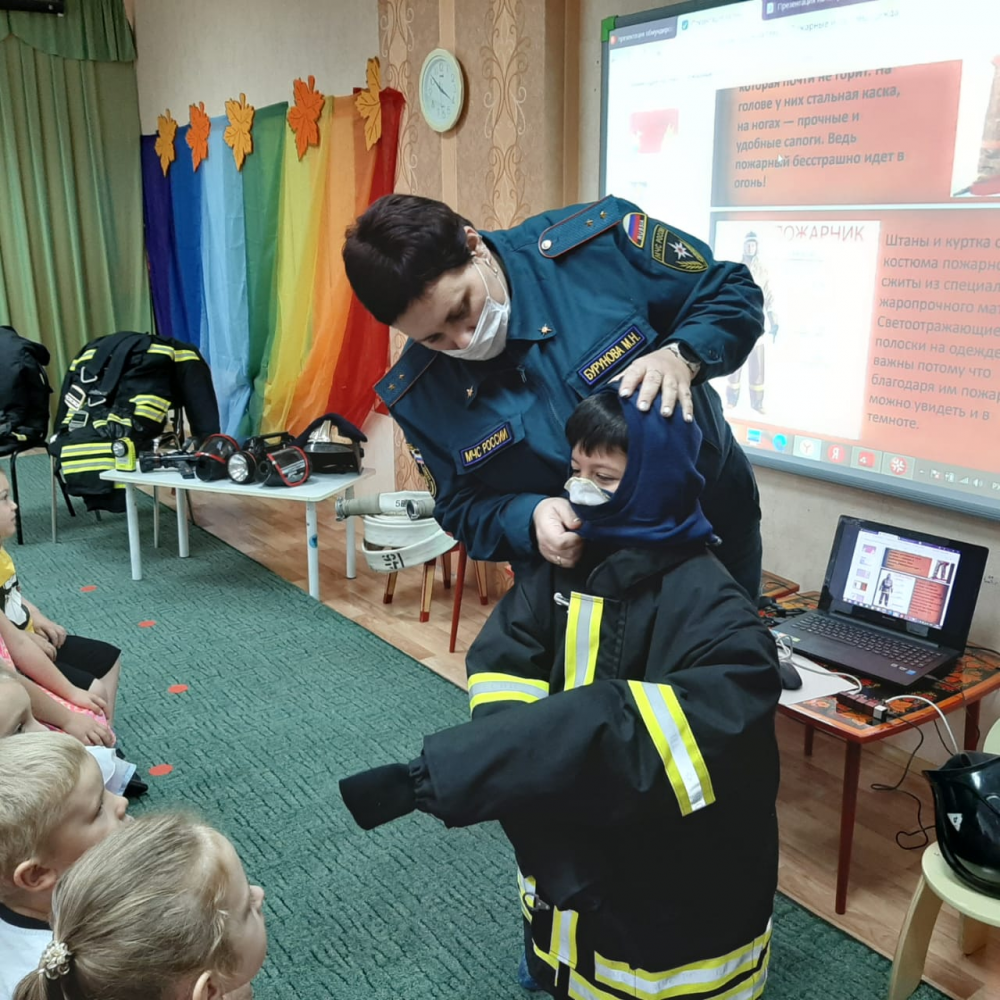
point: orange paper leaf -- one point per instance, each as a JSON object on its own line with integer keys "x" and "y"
{"x": 197, "y": 136}
{"x": 369, "y": 104}
{"x": 166, "y": 131}
{"x": 237, "y": 135}
{"x": 303, "y": 118}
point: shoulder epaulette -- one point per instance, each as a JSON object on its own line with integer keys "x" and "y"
{"x": 580, "y": 227}
{"x": 412, "y": 363}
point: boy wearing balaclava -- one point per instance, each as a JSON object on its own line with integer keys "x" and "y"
{"x": 623, "y": 734}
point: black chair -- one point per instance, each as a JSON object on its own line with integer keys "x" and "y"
{"x": 11, "y": 449}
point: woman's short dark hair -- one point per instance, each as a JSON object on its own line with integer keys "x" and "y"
{"x": 400, "y": 246}
{"x": 598, "y": 424}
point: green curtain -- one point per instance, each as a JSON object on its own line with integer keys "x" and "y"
{"x": 72, "y": 263}
{"x": 90, "y": 29}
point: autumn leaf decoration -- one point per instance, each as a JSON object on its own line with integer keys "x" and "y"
{"x": 369, "y": 104}
{"x": 197, "y": 136}
{"x": 166, "y": 131}
{"x": 303, "y": 117}
{"x": 237, "y": 135}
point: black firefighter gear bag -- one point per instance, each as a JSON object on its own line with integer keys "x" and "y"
{"x": 967, "y": 804}
{"x": 24, "y": 389}
{"x": 333, "y": 444}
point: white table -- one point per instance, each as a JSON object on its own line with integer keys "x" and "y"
{"x": 317, "y": 489}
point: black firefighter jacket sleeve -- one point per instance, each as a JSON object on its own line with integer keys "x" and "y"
{"x": 659, "y": 748}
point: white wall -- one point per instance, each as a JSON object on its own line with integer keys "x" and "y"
{"x": 213, "y": 50}
{"x": 799, "y": 513}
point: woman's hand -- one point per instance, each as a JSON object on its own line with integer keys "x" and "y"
{"x": 660, "y": 371}
{"x": 555, "y": 531}
{"x": 88, "y": 731}
{"x": 90, "y": 702}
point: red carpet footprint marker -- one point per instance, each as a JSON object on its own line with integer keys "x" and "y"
{"x": 177, "y": 688}
{"x": 148, "y": 623}
{"x": 88, "y": 588}
{"x": 158, "y": 770}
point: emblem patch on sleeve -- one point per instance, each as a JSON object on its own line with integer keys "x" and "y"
{"x": 635, "y": 228}
{"x": 497, "y": 439}
{"x": 428, "y": 476}
{"x": 671, "y": 251}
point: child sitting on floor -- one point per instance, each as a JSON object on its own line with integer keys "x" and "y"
{"x": 88, "y": 726}
{"x": 161, "y": 910}
{"x": 83, "y": 671}
{"x": 53, "y": 808}
{"x": 622, "y": 734}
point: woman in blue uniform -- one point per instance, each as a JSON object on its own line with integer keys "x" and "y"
{"x": 509, "y": 330}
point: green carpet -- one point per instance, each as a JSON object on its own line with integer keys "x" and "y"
{"x": 285, "y": 697}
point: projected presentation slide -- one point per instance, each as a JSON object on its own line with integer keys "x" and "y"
{"x": 901, "y": 578}
{"x": 848, "y": 152}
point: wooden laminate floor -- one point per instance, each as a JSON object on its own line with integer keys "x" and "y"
{"x": 882, "y": 876}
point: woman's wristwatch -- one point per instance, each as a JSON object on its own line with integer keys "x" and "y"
{"x": 687, "y": 356}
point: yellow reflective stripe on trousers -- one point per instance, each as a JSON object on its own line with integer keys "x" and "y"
{"x": 95, "y": 465}
{"x": 488, "y": 687}
{"x": 749, "y": 989}
{"x": 694, "y": 979}
{"x": 671, "y": 735}
{"x": 583, "y": 639}
{"x": 527, "y": 890}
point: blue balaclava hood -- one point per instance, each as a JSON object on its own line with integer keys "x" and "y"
{"x": 656, "y": 502}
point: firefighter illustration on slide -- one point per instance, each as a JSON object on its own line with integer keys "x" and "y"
{"x": 885, "y": 590}
{"x": 754, "y": 365}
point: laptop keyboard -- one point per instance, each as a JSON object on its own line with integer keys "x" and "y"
{"x": 862, "y": 638}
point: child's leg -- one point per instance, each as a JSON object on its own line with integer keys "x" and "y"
{"x": 93, "y": 665}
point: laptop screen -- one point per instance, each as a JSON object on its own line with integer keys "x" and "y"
{"x": 901, "y": 577}
{"x": 904, "y": 580}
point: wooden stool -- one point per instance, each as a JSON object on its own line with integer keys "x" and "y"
{"x": 426, "y": 586}
{"x": 939, "y": 884}
{"x": 481, "y": 584}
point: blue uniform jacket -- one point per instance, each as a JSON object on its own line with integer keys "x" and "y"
{"x": 592, "y": 288}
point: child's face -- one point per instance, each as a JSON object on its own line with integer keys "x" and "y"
{"x": 15, "y": 710}
{"x": 8, "y": 522}
{"x": 605, "y": 468}
{"x": 92, "y": 813}
{"x": 245, "y": 905}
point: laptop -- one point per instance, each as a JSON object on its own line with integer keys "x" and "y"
{"x": 896, "y": 604}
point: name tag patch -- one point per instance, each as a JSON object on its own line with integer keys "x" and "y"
{"x": 497, "y": 439}
{"x": 613, "y": 356}
{"x": 671, "y": 251}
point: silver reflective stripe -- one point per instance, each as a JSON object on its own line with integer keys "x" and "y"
{"x": 678, "y": 750}
{"x": 492, "y": 687}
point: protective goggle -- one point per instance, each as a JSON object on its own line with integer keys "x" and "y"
{"x": 211, "y": 459}
{"x": 286, "y": 467}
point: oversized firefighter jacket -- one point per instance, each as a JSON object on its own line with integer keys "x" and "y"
{"x": 122, "y": 386}
{"x": 623, "y": 735}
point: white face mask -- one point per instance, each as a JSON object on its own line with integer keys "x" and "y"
{"x": 585, "y": 492}
{"x": 490, "y": 337}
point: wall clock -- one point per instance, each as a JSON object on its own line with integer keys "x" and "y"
{"x": 442, "y": 90}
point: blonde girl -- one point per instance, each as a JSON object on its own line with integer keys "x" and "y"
{"x": 160, "y": 910}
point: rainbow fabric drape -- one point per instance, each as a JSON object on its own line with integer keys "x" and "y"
{"x": 247, "y": 265}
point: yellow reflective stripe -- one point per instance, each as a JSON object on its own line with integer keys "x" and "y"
{"x": 98, "y": 465}
{"x": 707, "y": 977}
{"x": 562, "y": 945}
{"x": 583, "y": 638}
{"x": 150, "y": 397}
{"x": 581, "y": 989}
{"x": 526, "y": 889}
{"x": 86, "y": 356}
{"x": 125, "y": 421}
{"x": 144, "y": 411}
{"x": 186, "y": 356}
{"x": 489, "y": 687}
{"x": 675, "y": 743}
{"x": 160, "y": 349}
{"x": 99, "y": 423}
{"x": 96, "y": 448}
{"x": 548, "y": 959}
{"x": 749, "y": 989}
